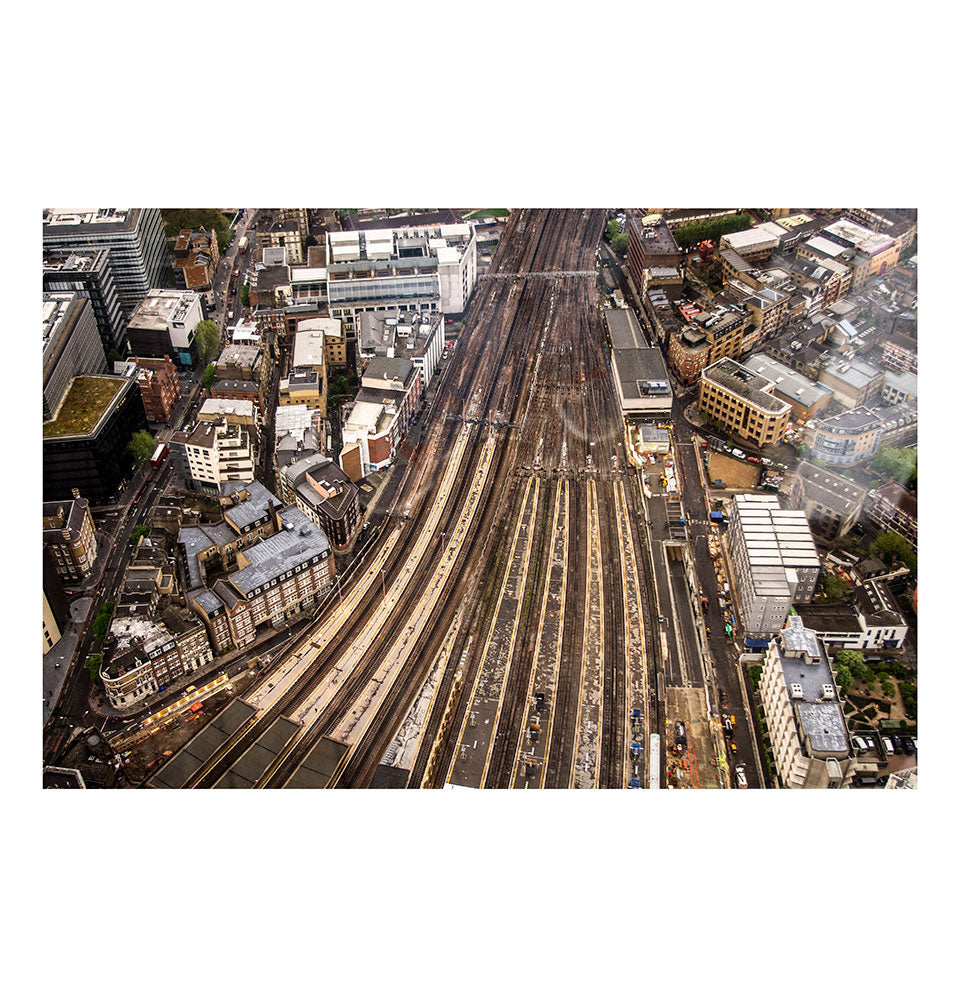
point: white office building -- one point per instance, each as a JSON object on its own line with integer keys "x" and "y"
{"x": 775, "y": 561}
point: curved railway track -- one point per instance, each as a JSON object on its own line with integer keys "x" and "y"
{"x": 531, "y": 369}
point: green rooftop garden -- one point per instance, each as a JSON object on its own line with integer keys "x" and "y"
{"x": 83, "y": 405}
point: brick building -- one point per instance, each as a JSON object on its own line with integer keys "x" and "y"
{"x": 69, "y": 537}
{"x": 263, "y": 564}
{"x": 159, "y": 387}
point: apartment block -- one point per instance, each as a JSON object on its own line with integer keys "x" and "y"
{"x": 900, "y": 353}
{"x": 159, "y": 385}
{"x": 195, "y": 257}
{"x": 215, "y": 453}
{"x": 400, "y": 334}
{"x": 854, "y": 382}
{"x": 743, "y": 402}
{"x": 808, "y": 732}
{"x": 831, "y": 503}
{"x": 262, "y": 565}
{"x": 324, "y": 493}
{"x": 847, "y": 438}
{"x": 892, "y": 507}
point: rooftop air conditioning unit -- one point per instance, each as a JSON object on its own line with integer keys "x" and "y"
{"x": 796, "y": 690}
{"x": 827, "y": 691}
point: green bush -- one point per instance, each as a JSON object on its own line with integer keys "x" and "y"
{"x": 93, "y": 667}
{"x": 102, "y": 621}
{"x": 754, "y": 672}
{"x": 137, "y": 532}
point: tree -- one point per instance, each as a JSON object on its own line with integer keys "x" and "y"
{"x": 245, "y": 295}
{"x": 901, "y": 465}
{"x": 834, "y": 588}
{"x": 310, "y": 240}
{"x": 889, "y": 689}
{"x": 102, "y": 621}
{"x": 613, "y": 229}
{"x": 852, "y": 660}
{"x": 844, "y": 677}
{"x": 689, "y": 235}
{"x": 620, "y": 242}
{"x": 208, "y": 338}
{"x": 209, "y": 375}
{"x": 137, "y": 532}
{"x": 175, "y": 219}
{"x": 891, "y": 547}
{"x": 141, "y": 447}
{"x": 93, "y": 667}
{"x": 113, "y": 356}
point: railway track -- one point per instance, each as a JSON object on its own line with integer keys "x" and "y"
{"x": 530, "y": 363}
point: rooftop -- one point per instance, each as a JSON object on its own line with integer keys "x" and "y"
{"x": 89, "y": 220}
{"x": 443, "y": 216}
{"x": 874, "y": 600}
{"x": 832, "y": 617}
{"x": 748, "y": 385}
{"x": 297, "y": 543}
{"x": 216, "y": 407}
{"x": 84, "y": 405}
{"x": 788, "y": 382}
{"x": 858, "y": 420}
{"x": 655, "y": 240}
{"x": 856, "y": 373}
{"x": 159, "y": 308}
{"x": 625, "y": 331}
{"x": 898, "y": 496}
{"x": 806, "y": 666}
{"x": 831, "y": 490}
{"x": 642, "y": 373}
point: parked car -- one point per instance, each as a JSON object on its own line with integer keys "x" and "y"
{"x": 909, "y": 747}
{"x": 897, "y": 744}
{"x": 753, "y": 460}
{"x": 741, "y": 776}
{"x": 888, "y": 745}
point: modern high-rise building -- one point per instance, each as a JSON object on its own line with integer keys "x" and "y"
{"x": 71, "y": 345}
{"x": 85, "y": 445}
{"x": 88, "y": 272}
{"x": 134, "y": 237}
